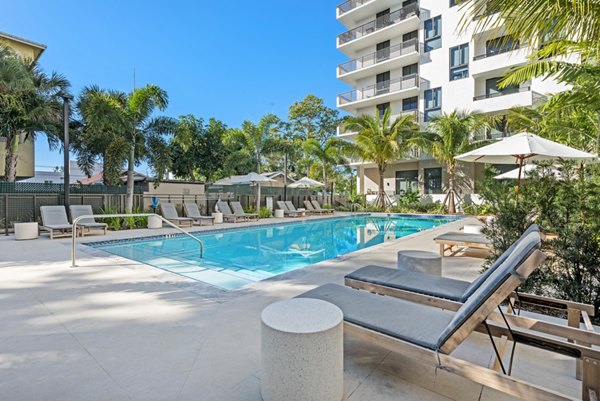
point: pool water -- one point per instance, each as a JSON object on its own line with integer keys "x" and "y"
{"x": 236, "y": 257}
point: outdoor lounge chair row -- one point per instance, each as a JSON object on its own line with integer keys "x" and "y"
{"x": 427, "y": 318}
{"x": 312, "y": 207}
{"x": 55, "y": 221}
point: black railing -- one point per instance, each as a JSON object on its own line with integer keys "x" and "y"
{"x": 502, "y": 93}
{"x": 495, "y": 53}
{"x": 379, "y": 23}
{"x": 350, "y": 5}
{"x": 379, "y": 56}
{"x": 418, "y": 116}
{"x": 380, "y": 88}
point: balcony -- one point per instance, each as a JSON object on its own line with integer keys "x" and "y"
{"x": 350, "y": 5}
{"x": 347, "y": 41}
{"x": 492, "y": 63}
{"x": 351, "y": 12}
{"x": 379, "y": 61}
{"x": 385, "y": 91}
{"x": 504, "y": 100}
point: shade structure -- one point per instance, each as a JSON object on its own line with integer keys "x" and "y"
{"x": 306, "y": 182}
{"x": 251, "y": 178}
{"x": 524, "y": 146}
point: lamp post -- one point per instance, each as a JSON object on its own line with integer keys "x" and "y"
{"x": 66, "y": 170}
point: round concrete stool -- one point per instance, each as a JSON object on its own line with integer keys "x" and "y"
{"x": 302, "y": 351}
{"x": 279, "y": 213}
{"x": 423, "y": 261}
{"x": 26, "y": 231}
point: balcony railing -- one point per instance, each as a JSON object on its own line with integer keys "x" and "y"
{"x": 417, "y": 115}
{"x": 379, "y": 56}
{"x": 380, "y": 88}
{"x": 502, "y": 93}
{"x": 350, "y": 5}
{"x": 382, "y": 22}
{"x": 495, "y": 53}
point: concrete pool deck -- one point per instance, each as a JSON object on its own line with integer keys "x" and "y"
{"x": 113, "y": 329}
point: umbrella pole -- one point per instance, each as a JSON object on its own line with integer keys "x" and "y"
{"x": 521, "y": 159}
{"x": 257, "y": 197}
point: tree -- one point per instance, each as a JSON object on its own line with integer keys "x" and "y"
{"x": 380, "y": 141}
{"x": 326, "y": 156}
{"x": 123, "y": 125}
{"x": 255, "y": 141}
{"x": 30, "y": 103}
{"x": 197, "y": 148}
{"x": 311, "y": 119}
{"x": 447, "y": 136}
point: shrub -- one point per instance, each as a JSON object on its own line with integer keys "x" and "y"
{"x": 264, "y": 213}
{"x": 114, "y": 223}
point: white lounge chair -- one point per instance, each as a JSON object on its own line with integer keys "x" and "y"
{"x": 192, "y": 211}
{"x": 170, "y": 213}
{"x": 54, "y": 219}
{"x": 310, "y": 208}
{"x": 318, "y": 207}
{"x": 87, "y": 224}
{"x": 228, "y": 214}
{"x": 290, "y": 206}
{"x": 287, "y": 212}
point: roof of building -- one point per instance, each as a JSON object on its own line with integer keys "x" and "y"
{"x": 27, "y": 42}
{"x": 98, "y": 179}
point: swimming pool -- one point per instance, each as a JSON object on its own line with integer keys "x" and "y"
{"x": 240, "y": 256}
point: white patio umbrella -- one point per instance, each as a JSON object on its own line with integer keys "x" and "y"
{"x": 521, "y": 147}
{"x": 306, "y": 182}
{"x": 527, "y": 169}
{"x": 253, "y": 179}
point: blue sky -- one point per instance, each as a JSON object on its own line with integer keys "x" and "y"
{"x": 233, "y": 60}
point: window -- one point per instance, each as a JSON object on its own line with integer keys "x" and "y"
{"x": 409, "y": 70}
{"x": 459, "y": 62}
{"x": 382, "y": 83}
{"x": 381, "y": 108}
{"x": 491, "y": 88}
{"x": 500, "y": 45}
{"x": 383, "y": 51}
{"x": 410, "y": 35}
{"x": 433, "y": 102}
{"x": 406, "y": 3}
{"x": 454, "y": 3}
{"x": 433, "y": 33}
{"x": 407, "y": 180}
{"x": 433, "y": 180}
{"x": 410, "y": 103}
{"x": 382, "y": 19}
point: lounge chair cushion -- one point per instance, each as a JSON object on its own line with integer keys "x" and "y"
{"x": 82, "y": 210}
{"x": 477, "y": 282}
{"x": 54, "y": 216}
{"x": 521, "y": 251}
{"x": 462, "y": 237}
{"x": 224, "y": 208}
{"x": 412, "y": 281}
{"x": 409, "y": 321}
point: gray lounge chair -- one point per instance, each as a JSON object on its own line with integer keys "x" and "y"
{"x": 228, "y": 214}
{"x": 431, "y": 334}
{"x": 170, "y": 213}
{"x": 385, "y": 280}
{"x": 87, "y": 224}
{"x": 310, "y": 208}
{"x": 448, "y": 240}
{"x": 318, "y": 207}
{"x": 192, "y": 211}
{"x": 238, "y": 210}
{"x": 290, "y": 206}
{"x": 281, "y": 205}
{"x": 54, "y": 219}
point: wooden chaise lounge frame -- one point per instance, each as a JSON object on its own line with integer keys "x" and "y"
{"x": 467, "y": 241}
{"x": 485, "y": 376}
{"x": 578, "y": 344}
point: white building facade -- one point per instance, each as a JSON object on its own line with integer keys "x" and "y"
{"x": 413, "y": 57}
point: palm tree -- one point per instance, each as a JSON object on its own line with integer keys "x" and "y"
{"x": 30, "y": 103}
{"x": 380, "y": 141}
{"x": 447, "y": 136}
{"x": 255, "y": 140}
{"x": 123, "y": 126}
{"x": 326, "y": 155}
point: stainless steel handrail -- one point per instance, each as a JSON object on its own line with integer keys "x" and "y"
{"x": 90, "y": 216}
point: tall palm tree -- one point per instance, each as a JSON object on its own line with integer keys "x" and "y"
{"x": 255, "y": 140}
{"x": 380, "y": 141}
{"x": 125, "y": 122}
{"x": 325, "y": 155}
{"x": 30, "y": 103}
{"x": 447, "y": 136}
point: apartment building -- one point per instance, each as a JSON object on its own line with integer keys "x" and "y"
{"x": 31, "y": 51}
{"x": 414, "y": 57}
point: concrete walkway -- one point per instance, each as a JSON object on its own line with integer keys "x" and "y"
{"x": 113, "y": 329}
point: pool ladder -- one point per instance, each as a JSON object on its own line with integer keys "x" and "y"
{"x": 90, "y": 216}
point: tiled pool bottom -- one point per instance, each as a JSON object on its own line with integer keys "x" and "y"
{"x": 240, "y": 256}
